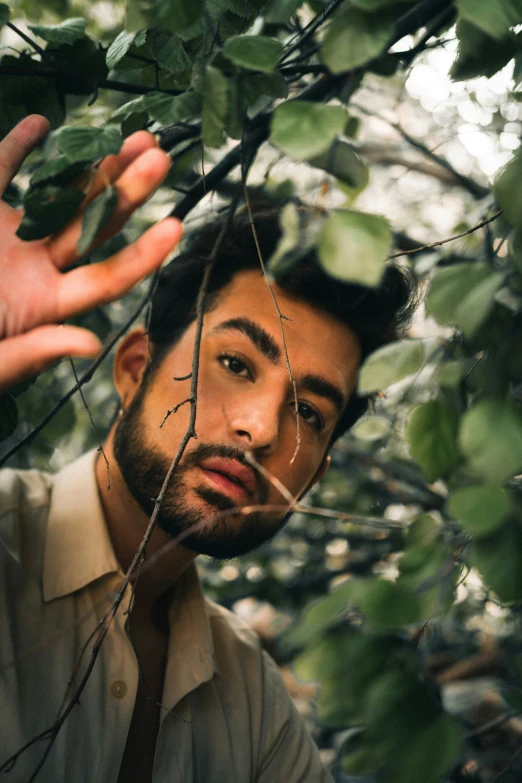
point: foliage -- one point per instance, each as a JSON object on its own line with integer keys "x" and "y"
{"x": 224, "y": 83}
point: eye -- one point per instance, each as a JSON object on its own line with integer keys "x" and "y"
{"x": 234, "y": 365}
{"x": 310, "y": 415}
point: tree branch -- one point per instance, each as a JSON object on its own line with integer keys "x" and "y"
{"x": 92, "y": 82}
{"x": 449, "y": 239}
{"x": 26, "y": 38}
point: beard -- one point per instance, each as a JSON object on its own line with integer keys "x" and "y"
{"x": 203, "y": 527}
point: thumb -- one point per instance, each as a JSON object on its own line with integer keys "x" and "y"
{"x": 29, "y": 353}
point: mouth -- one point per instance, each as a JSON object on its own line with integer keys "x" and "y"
{"x": 230, "y": 477}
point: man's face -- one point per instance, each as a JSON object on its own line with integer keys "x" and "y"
{"x": 245, "y": 408}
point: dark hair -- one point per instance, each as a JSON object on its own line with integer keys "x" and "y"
{"x": 377, "y": 315}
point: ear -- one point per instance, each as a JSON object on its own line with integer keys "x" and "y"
{"x": 132, "y": 358}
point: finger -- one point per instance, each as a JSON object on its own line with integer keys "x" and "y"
{"x": 96, "y": 284}
{"x": 113, "y": 166}
{"x": 18, "y": 144}
{"x": 28, "y": 354}
{"x": 139, "y": 180}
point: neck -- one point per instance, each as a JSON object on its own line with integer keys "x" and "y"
{"x": 127, "y": 523}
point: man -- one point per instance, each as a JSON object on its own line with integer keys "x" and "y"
{"x": 181, "y": 690}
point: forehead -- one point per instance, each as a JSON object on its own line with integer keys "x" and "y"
{"x": 315, "y": 340}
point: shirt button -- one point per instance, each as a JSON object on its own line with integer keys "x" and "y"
{"x": 118, "y": 689}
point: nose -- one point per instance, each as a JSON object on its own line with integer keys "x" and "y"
{"x": 254, "y": 422}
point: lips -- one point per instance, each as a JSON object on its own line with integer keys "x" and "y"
{"x": 228, "y": 473}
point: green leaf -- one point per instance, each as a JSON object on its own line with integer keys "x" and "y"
{"x": 172, "y": 16}
{"x": 168, "y": 50}
{"x": 81, "y": 142}
{"x": 256, "y": 52}
{"x": 177, "y": 15}
{"x": 481, "y": 509}
{"x": 490, "y": 438}
{"x": 8, "y": 415}
{"x": 400, "y": 712}
{"x": 354, "y": 246}
{"x": 303, "y": 129}
{"x": 135, "y": 106}
{"x": 170, "y": 109}
{"x": 280, "y": 11}
{"x": 390, "y": 364}
{"x": 47, "y": 210}
{"x": 478, "y": 54}
{"x": 134, "y": 122}
{"x": 95, "y": 217}
{"x": 386, "y": 604}
{"x": 463, "y": 295}
{"x": 431, "y": 434}
{"x": 370, "y": 5}
{"x": 342, "y": 162}
{"x": 498, "y": 558}
{"x": 371, "y": 428}
{"x": 345, "y": 664}
{"x": 119, "y": 48}
{"x": 508, "y": 190}
{"x": 165, "y": 109}
{"x": 59, "y": 171}
{"x": 67, "y": 32}
{"x": 288, "y": 244}
{"x": 354, "y": 38}
{"x": 4, "y": 14}
{"x": 317, "y": 617}
{"x": 494, "y": 19}
{"x": 215, "y": 107}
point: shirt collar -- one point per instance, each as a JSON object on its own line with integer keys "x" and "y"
{"x": 78, "y": 548}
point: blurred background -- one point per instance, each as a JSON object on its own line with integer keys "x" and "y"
{"x": 433, "y": 141}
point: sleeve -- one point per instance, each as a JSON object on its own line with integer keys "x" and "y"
{"x": 288, "y": 753}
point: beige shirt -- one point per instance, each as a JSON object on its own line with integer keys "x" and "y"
{"x": 227, "y": 717}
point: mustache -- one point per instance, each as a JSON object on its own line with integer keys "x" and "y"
{"x": 206, "y": 450}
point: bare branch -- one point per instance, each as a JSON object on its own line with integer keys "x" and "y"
{"x": 93, "y": 82}
{"x": 25, "y": 37}
{"x": 449, "y": 239}
{"x": 280, "y": 317}
{"x": 132, "y": 574}
{"x": 176, "y": 408}
{"x": 93, "y": 425}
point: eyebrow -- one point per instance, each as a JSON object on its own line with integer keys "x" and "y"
{"x": 263, "y": 341}
{"x": 316, "y": 384}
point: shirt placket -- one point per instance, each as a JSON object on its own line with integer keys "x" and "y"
{"x": 121, "y": 684}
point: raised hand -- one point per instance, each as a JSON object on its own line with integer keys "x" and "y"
{"x": 36, "y": 295}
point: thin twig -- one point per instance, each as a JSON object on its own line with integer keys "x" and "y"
{"x": 26, "y": 38}
{"x": 476, "y": 190}
{"x": 175, "y": 409}
{"x": 133, "y": 571}
{"x": 449, "y": 239}
{"x": 280, "y": 316}
{"x": 310, "y": 28}
{"x": 361, "y": 521}
{"x": 93, "y": 425}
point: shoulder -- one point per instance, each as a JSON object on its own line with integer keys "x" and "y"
{"x": 24, "y": 489}
{"x": 239, "y": 654}
{"x": 23, "y": 495}
{"x": 231, "y": 633}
